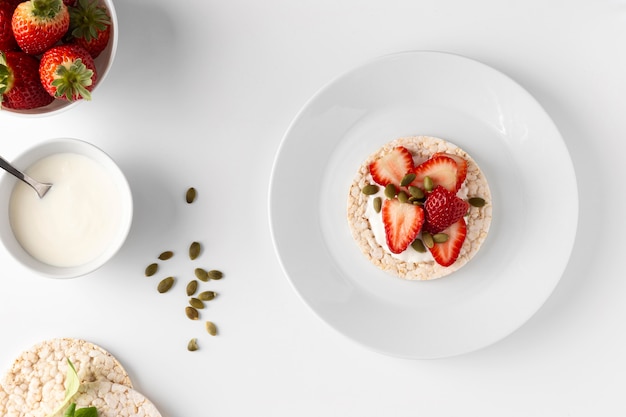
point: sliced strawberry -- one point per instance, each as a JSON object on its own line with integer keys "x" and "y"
{"x": 443, "y": 208}
{"x": 403, "y": 222}
{"x": 461, "y": 165}
{"x": 392, "y": 167}
{"x": 446, "y": 253}
{"x": 441, "y": 169}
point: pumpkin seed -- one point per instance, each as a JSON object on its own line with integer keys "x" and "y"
{"x": 166, "y": 255}
{"x": 196, "y": 303}
{"x": 192, "y": 345}
{"x": 440, "y": 238}
{"x": 427, "y": 238}
{"x": 151, "y": 269}
{"x": 390, "y": 191}
{"x": 210, "y": 327}
{"x": 194, "y": 250}
{"x": 370, "y": 189}
{"x": 165, "y": 284}
{"x": 403, "y": 197}
{"x": 476, "y": 201}
{"x": 192, "y": 313}
{"x": 201, "y": 274}
{"x": 192, "y": 287}
{"x": 207, "y": 295}
{"x": 190, "y": 196}
{"x": 378, "y": 203}
{"x": 407, "y": 179}
{"x": 215, "y": 274}
{"x": 418, "y": 245}
{"x": 416, "y": 192}
{"x": 428, "y": 183}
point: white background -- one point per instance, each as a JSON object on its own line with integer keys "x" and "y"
{"x": 201, "y": 94}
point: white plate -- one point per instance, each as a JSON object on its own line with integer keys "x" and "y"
{"x": 511, "y": 138}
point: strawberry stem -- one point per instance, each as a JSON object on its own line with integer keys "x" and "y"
{"x": 47, "y": 9}
{"x": 87, "y": 19}
{"x": 72, "y": 81}
{"x": 5, "y": 75}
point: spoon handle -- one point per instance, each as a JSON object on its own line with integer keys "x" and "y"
{"x": 41, "y": 189}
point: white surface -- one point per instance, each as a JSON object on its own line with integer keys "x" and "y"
{"x": 241, "y": 71}
{"x": 483, "y": 112}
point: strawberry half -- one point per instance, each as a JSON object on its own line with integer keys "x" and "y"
{"x": 392, "y": 167}
{"x": 403, "y": 222}
{"x": 461, "y": 168}
{"x": 90, "y": 26}
{"x": 39, "y": 24}
{"x": 446, "y": 253}
{"x": 20, "y": 87}
{"x": 443, "y": 208}
{"x": 68, "y": 72}
{"x": 440, "y": 168}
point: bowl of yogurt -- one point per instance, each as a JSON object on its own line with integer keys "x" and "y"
{"x": 81, "y": 222}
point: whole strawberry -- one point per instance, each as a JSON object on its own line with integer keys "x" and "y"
{"x": 7, "y": 39}
{"x": 20, "y": 87}
{"x": 39, "y": 24}
{"x": 90, "y": 26}
{"x": 68, "y": 72}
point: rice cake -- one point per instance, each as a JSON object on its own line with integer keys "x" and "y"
{"x": 478, "y": 219}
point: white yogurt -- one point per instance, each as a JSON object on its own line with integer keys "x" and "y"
{"x": 76, "y": 220}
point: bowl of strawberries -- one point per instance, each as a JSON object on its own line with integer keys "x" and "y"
{"x": 53, "y": 53}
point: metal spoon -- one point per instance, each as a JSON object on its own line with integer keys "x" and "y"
{"x": 40, "y": 187}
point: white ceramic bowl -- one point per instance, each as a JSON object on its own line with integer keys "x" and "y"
{"x": 103, "y": 62}
{"x": 27, "y": 159}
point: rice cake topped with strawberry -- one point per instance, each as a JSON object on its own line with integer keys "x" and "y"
{"x": 419, "y": 208}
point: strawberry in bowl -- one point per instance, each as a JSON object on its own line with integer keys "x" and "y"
{"x": 73, "y": 40}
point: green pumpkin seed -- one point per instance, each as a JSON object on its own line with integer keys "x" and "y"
{"x": 476, "y": 201}
{"x": 418, "y": 245}
{"x": 215, "y": 274}
{"x": 416, "y": 192}
{"x": 194, "y": 250}
{"x": 370, "y": 189}
{"x": 210, "y": 327}
{"x": 201, "y": 274}
{"x": 207, "y": 295}
{"x": 428, "y": 183}
{"x": 403, "y": 197}
{"x": 407, "y": 179}
{"x": 196, "y": 303}
{"x": 390, "y": 191}
{"x": 151, "y": 269}
{"x": 166, "y": 255}
{"x": 192, "y": 345}
{"x": 378, "y": 203}
{"x": 440, "y": 238}
{"x": 192, "y": 313}
{"x": 165, "y": 284}
{"x": 190, "y": 196}
{"x": 427, "y": 238}
{"x": 192, "y": 287}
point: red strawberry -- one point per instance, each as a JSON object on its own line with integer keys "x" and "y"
{"x": 69, "y": 3}
{"x": 7, "y": 39}
{"x": 68, "y": 72}
{"x": 392, "y": 167}
{"x": 446, "y": 253}
{"x": 403, "y": 222}
{"x": 39, "y": 24}
{"x": 90, "y": 26}
{"x": 441, "y": 169}
{"x": 443, "y": 208}
{"x": 20, "y": 87}
{"x": 461, "y": 165}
